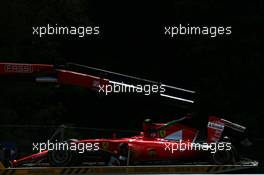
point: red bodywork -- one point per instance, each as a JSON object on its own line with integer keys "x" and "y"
{"x": 159, "y": 146}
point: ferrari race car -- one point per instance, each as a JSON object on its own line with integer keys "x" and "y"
{"x": 159, "y": 143}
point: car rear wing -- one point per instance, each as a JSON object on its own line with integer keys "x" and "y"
{"x": 216, "y": 127}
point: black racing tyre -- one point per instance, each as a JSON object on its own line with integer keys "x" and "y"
{"x": 61, "y": 158}
{"x": 225, "y": 157}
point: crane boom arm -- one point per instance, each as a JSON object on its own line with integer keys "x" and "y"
{"x": 62, "y": 75}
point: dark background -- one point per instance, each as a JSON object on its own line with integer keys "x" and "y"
{"x": 226, "y": 71}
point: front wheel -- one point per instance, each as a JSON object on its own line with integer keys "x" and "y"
{"x": 62, "y": 158}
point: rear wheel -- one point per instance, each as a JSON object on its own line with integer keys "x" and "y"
{"x": 222, "y": 157}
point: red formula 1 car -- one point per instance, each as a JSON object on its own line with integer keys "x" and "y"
{"x": 159, "y": 143}
{"x": 170, "y": 142}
